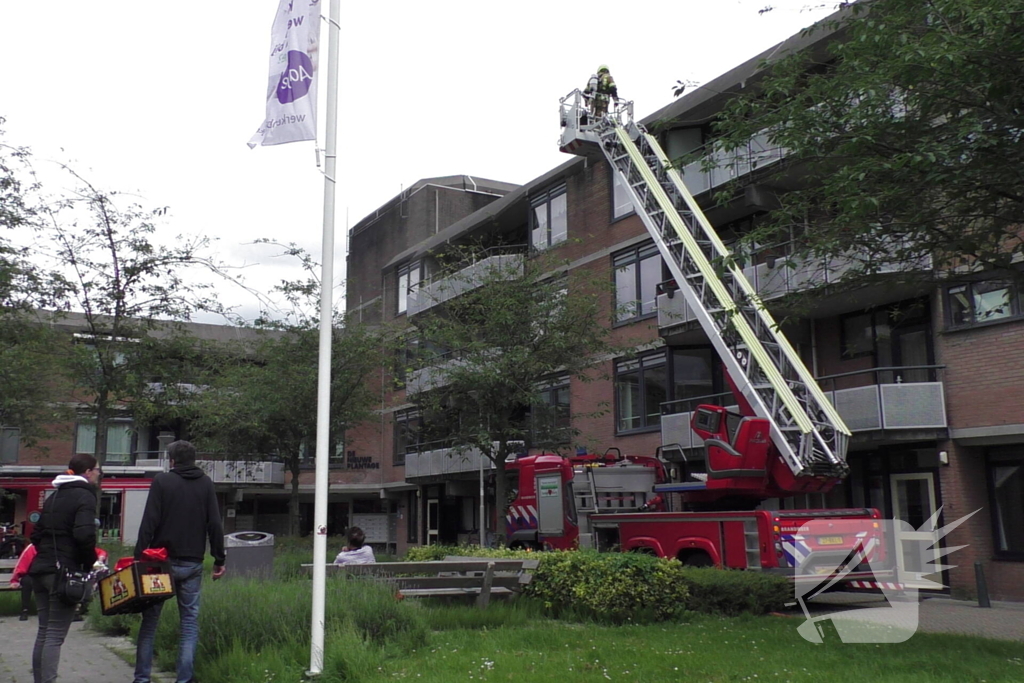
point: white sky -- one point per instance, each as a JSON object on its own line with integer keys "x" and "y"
{"x": 159, "y": 98}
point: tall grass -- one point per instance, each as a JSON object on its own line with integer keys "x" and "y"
{"x": 241, "y": 621}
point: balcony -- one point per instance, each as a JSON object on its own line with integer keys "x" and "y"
{"x": 774, "y": 278}
{"x": 258, "y": 470}
{"x": 889, "y": 401}
{"x": 442, "y": 461}
{"x": 728, "y": 166}
{"x": 506, "y": 263}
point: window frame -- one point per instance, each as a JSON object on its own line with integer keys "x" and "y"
{"x": 545, "y": 199}
{"x": 111, "y": 424}
{"x": 405, "y": 271}
{"x": 969, "y": 288}
{"x": 401, "y": 420}
{"x": 549, "y": 390}
{"x": 637, "y": 254}
{"x": 652, "y": 360}
{"x": 613, "y": 185}
{"x": 997, "y": 457}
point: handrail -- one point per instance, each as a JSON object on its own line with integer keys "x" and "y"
{"x": 672, "y": 407}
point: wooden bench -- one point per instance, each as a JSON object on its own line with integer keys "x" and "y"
{"x": 6, "y": 569}
{"x": 479, "y": 576}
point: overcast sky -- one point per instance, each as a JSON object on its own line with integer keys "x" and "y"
{"x": 159, "y": 98}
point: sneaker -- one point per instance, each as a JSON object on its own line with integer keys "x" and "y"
{"x": 24, "y": 615}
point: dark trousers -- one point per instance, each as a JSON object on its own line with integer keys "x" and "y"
{"x": 54, "y": 622}
{"x": 26, "y": 593}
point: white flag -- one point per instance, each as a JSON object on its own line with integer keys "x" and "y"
{"x": 291, "y": 88}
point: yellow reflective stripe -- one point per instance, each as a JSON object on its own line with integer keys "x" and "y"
{"x": 741, "y": 279}
{"x": 746, "y": 332}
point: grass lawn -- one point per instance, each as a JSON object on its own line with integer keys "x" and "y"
{"x": 706, "y": 649}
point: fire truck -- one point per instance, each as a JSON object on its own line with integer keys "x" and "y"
{"x": 784, "y": 439}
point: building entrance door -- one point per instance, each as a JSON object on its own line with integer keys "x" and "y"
{"x": 913, "y": 501}
{"x": 433, "y": 520}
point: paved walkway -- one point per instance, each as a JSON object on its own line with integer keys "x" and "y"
{"x": 86, "y": 657}
{"x": 1003, "y": 621}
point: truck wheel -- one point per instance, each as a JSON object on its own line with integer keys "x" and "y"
{"x": 698, "y": 558}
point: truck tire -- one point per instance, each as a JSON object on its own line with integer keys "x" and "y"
{"x": 695, "y": 558}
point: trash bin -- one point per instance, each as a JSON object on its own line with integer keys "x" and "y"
{"x": 250, "y": 554}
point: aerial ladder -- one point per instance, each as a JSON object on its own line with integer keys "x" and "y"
{"x": 773, "y": 387}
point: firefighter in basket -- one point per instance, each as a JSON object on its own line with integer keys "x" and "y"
{"x": 601, "y": 88}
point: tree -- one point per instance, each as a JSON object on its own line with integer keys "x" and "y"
{"x": 261, "y": 397}
{"x": 515, "y": 325}
{"x": 26, "y": 403}
{"x": 911, "y": 128}
{"x": 131, "y": 292}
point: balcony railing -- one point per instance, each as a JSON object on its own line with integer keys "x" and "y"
{"x": 881, "y": 399}
{"x": 728, "y": 166}
{"x": 440, "y": 460}
{"x": 773, "y": 279}
{"x": 431, "y": 293}
{"x": 260, "y": 469}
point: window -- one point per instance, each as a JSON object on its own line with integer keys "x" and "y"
{"x": 409, "y": 277}
{"x": 693, "y": 373}
{"x": 982, "y": 302}
{"x": 551, "y": 418}
{"x": 1006, "y": 479}
{"x": 413, "y": 506}
{"x": 9, "y": 440}
{"x": 858, "y": 336}
{"x": 622, "y": 205}
{"x": 119, "y": 440}
{"x": 637, "y": 274}
{"x": 548, "y": 218}
{"x": 641, "y": 386}
{"x": 407, "y": 434}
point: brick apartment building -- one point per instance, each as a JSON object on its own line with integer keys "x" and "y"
{"x": 927, "y": 378}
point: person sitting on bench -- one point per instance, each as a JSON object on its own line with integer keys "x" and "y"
{"x": 356, "y": 552}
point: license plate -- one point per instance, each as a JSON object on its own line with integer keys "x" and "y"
{"x": 830, "y": 540}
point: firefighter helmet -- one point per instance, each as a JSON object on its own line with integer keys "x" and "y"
{"x": 603, "y": 67}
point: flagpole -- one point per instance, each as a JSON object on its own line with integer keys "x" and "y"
{"x": 323, "y": 403}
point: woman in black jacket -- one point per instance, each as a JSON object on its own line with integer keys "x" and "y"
{"x": 66, "y": 532}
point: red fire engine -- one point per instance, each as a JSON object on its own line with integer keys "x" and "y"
{"x": 786, "y": 438}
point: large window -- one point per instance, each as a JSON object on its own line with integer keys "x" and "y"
{"x": 119, "y": 441}
{"x": 981, "y": 302}
{"x": 409, "y": 277}
{"x": 551, "y": 418}
{"x": 1006, "y": 479}
{"x": 10, "y": 438}
{"x": 641, "y": 386}
{"x": 894, "y": 336}
{"x": 693, "y": 373}
{"x": 637, "y": 274}
{"x": 407, "y": 433}
{"x": 622, "y": 205}
{"x": 549, "y": 219}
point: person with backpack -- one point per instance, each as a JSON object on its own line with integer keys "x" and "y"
{"x": 600, "y": 89}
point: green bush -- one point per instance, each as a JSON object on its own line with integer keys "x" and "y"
{"x": 729, "y": 592}
{"x": 609, "y": 587}
{"x": 568, "y": 583}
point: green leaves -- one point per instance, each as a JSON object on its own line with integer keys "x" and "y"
{"x": 912, "y": 121}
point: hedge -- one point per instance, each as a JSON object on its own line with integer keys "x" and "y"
{"x": 632, "y": 587}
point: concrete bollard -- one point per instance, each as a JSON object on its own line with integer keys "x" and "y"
{"x": 979, "y": 578}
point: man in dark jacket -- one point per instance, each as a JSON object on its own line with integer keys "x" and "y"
{"x": 181, "y": 515}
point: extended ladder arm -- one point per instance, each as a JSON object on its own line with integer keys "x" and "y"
{"x": 808, "y": 432}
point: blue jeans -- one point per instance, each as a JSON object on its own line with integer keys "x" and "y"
{"x": 188, "y": 579}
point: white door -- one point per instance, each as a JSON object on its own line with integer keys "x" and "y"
{"x": 433, "y": 508}
{"x": 913, "y": 501}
